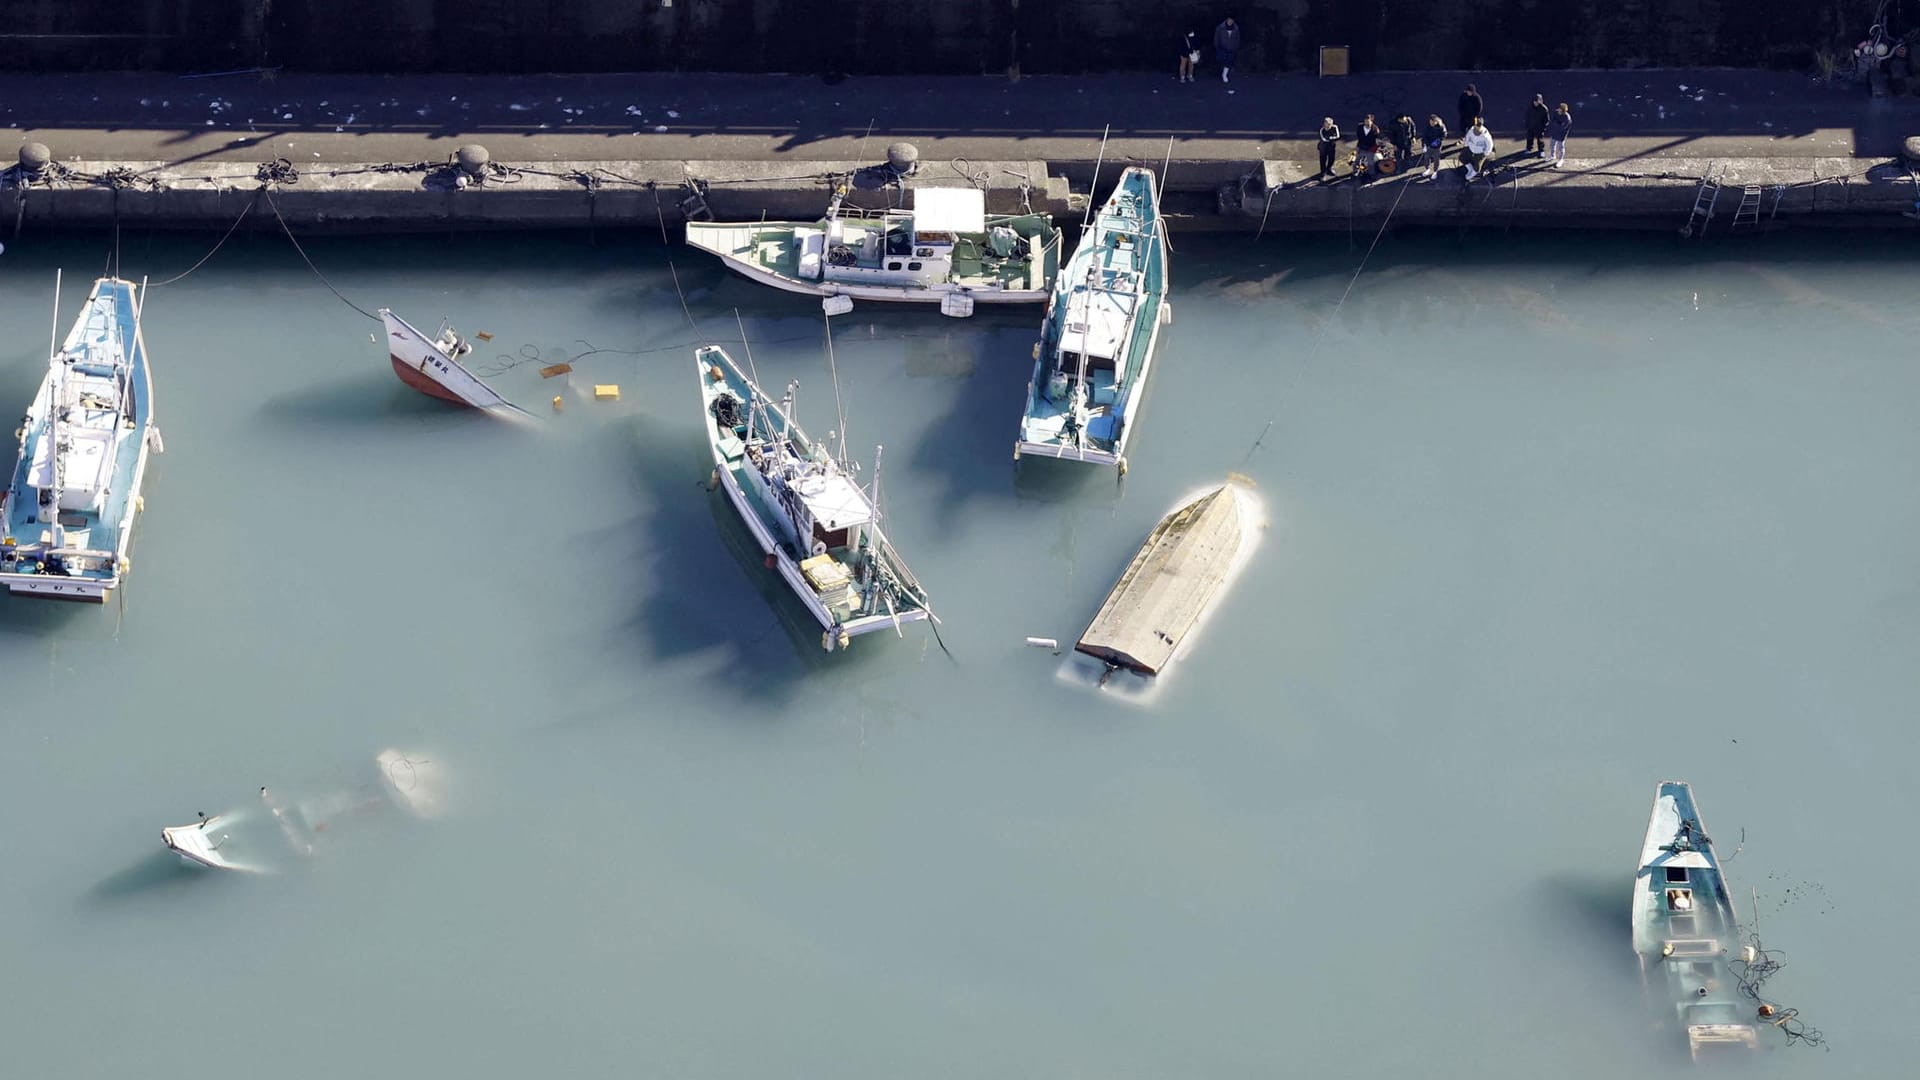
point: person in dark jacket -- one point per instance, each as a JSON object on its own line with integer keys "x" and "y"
{"x": 1189, "y": 56}
{"x": 1366, "y": 148}
{"x": 1329, "y": 143}
{"x": 1402, "y": 134}
{"x": 1558, "y": 125}
{"x": 1537, "y": 115}
{"x": 1472, "y": 107}
{"x": 1436, "y": 137}
{"x": 1226, "y": 45}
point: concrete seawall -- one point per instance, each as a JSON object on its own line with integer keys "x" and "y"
{"x": 1201, "y": 195}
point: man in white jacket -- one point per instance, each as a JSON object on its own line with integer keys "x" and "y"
{"x": 1479, "y": 149}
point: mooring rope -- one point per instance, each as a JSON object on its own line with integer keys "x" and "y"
{"x": 304, "y": 258}
{"x": 1319, "y": 338}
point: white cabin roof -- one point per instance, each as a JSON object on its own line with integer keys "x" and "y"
{"x": 834, "y": 501}
{"x": 955, "y": 210}
{"x": 1095, "y": 322}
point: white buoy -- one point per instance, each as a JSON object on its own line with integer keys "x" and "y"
{"x": 837, "y": 304}
{"x": 1043, "y": 643}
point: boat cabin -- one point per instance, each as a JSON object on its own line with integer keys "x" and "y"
{"x": 903, "y": 248}
{"x": 87, "y": 403}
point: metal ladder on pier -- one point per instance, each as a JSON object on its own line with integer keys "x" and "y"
{"x": 693, "y": 206}
{"x": 1705, "y": 198}
{"x": 1749, "y": 211}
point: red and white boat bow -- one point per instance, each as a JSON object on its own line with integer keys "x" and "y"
{"x": 432, "y": 366}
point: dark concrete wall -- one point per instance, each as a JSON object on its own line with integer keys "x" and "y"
{"x": 903, "y": 36}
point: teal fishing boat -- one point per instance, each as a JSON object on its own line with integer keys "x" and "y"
{"x": 83, "y": 453}
{"x": 1101, "y": 331}
{"x": 1684, "y": 929}
{"x": 819, "y": 528}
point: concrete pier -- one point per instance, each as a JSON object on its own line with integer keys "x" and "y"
{"x": 354, "y": 153}
{"x": 399, "y": 197}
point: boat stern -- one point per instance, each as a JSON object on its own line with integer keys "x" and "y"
{"x": 81, "y": 588}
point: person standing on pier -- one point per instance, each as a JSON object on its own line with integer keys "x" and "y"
{"x": 1402, "y": 135}
{"x": 1329, "y": 143}
{"x": 1436, "y": 138}
{"x": 1472, "y": 108}
{"x": 1189, "y": 56}
{"x": 1366, "y": 149}
{"x": 1226, "y": 45}
{"x": 1558, "y": 125}
{"x": 1477, "y": 151}
{"x": 1537, "y": 116}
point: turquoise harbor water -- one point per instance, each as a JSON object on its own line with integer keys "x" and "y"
{"x": 1553, "y": 518}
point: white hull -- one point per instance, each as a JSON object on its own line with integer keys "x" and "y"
{"x": 790, "y": 571}
{"x": 85, "y": 587}
{"x": 1136, "y": 394}
{"x": 426, "y": 367}
{"x": 898, "y": 294}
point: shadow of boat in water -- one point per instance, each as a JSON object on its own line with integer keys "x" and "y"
{"x": 158, "y": 873}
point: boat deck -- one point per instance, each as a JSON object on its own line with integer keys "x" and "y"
{"x": 91, "y": 422}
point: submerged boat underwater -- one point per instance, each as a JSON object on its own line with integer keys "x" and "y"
{"x": 1101, "y": 331}
{"x": 432, "y": 366}
{"x": 945, "y": 250}
{"x": 259, "y": 839}
{"x": 1684, "y": 929}
{"x": 83, "y": 453}
{"x": 819, "y": 529}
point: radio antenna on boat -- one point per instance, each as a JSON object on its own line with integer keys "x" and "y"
{"x": 748, "y": 346}
{"x": 839, "y": 409}
{"x": 1159, "y": 192}
{"x": 1095, "y": 187}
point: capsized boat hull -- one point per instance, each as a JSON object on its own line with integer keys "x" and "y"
{"x": 426, "y": 366}
{"x": 1177, "y": 576}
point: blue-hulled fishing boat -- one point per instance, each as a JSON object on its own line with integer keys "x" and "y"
{"x": 819, "y": 528}
{"x": 83, "y": 452}
{"x": 1684, "y": 929}
{"x": 1102, "y": 327}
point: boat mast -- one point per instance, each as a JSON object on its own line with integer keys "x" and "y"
{"x": 58, "y": 388}
{"x": 1094, "y": 189}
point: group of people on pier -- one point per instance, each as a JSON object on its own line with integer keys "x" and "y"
{"x": 1377, "y": 152}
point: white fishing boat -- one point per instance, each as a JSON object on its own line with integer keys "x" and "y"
{"x": 432, "y": 365}
{"x": 84, "y": 443}
{"x": 1684, "y": 930}
{"x": 946, "y": 249}
{"x": 1100, "y": 335}
{"x": 266, "y": 837}
{"x": 820, "y": 530}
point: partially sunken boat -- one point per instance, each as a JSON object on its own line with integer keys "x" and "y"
{"x": 1101, "y": 331}
{"x": 946, "y": 249}
{"x": 432, "y": 365}
{"x": 819, "y": 529}
{"x": 1170, "y": 584}
{"x": 1684, "y": 928}
{"x": 259, "y": 839}
{"x": 83, "y": 454}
